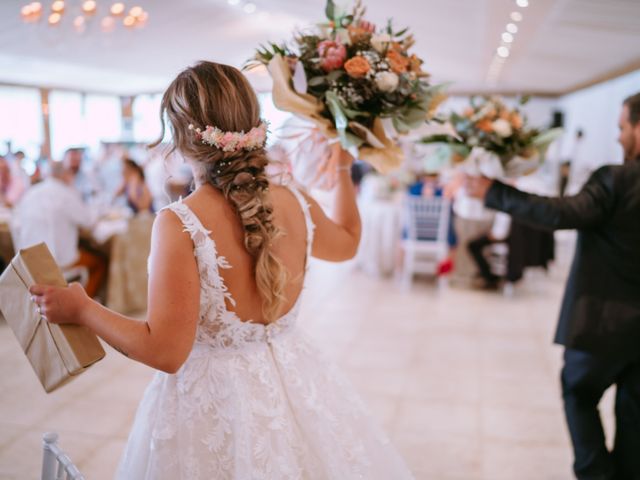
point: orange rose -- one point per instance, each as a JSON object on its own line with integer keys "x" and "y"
{"x": 468, "y": 112}
{"x": 415, "y": 63}
{"x": 504, "y": 114}
{"x": 397, "y": 62}
{"x": 516, "y": 120}
{"x": 485, "y": 125}
{"x": 357, "y": 67}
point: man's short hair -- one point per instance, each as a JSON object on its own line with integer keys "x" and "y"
{"x": 633, "y": 102}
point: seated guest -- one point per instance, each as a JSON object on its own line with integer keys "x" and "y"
{"x": 498, "y": 234}
{"x": 12, "y": 185}
{"x": 53, "y": 212}
{"x": 138, "y": 195}
{"x": 72, "y": 161}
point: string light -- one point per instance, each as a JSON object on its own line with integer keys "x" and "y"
{"x": 507, "y": 37}
{"x": 137, "y": 17}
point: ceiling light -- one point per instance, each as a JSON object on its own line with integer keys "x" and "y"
{"x": 54, "y": 19}
{"x": 36, "y": 7}
{"x": 233, "y": 2}
{"x": 129, "y": 21}
{"x": 79, "y": 24}
{"x": 107, "y": 24}
{"x": 249, "y": 7}
{"x": 512, "y": 28}
{"x": 117, "y": 9}
{"x": 522, "y": 3}
{"x": 516, "y": 16}
{"x": 89, "y": 7}
{"x": 57, "y": 6}
{"x": 507, "y": 37}
{"x": 26, "y": 10}
{"x": 136, "y": 12}
{"x": 503, "y": 52}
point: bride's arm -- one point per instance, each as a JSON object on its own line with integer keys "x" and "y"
{"x": 337, "y": 238}
{"x": 162, "y": 341}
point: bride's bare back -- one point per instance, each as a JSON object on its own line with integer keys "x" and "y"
{"x": 218, "y": 216}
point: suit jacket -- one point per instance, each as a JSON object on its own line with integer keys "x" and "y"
{"x": 601, "y": 307}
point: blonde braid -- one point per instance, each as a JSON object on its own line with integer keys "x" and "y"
{"x": 241, "y": 178}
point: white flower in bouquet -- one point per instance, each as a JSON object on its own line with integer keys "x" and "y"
{"x": 380, "y": 41}
{"x": 502, "y": 127}
{"x": 387, "y": 81}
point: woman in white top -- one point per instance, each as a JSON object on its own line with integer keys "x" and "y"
{"x": 241, "y": 393}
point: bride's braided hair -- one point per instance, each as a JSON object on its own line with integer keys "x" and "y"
{"x": 211, "y": 94}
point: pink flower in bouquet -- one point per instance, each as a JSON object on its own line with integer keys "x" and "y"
{"x": 333, "y": 55}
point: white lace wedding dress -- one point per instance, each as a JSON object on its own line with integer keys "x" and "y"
{"x": 252, "y": 401}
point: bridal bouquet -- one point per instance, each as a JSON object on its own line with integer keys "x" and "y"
{"x": 489, "y": 132}
{"x": 346, "y": 77}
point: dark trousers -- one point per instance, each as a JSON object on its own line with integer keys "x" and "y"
{"x": 476, "y": 248}
{"x": 585, "y": 377}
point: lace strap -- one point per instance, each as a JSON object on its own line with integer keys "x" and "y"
{"x": 306, "y": 210}
{"x": 190, "y": 221}
{"x": 209, "y": 261}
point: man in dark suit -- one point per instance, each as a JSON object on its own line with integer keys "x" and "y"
{"x": 600, "y": 317}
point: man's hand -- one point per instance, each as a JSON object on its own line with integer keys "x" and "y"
{"x": 477, "y": 187}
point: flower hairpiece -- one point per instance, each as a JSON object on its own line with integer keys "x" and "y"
{"x": 233, "y": 141}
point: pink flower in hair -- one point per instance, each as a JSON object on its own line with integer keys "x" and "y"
{"x": 232, "y": 141}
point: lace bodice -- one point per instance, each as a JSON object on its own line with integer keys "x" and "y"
{"x": 218, "y": 326}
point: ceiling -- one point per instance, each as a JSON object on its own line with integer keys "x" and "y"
{"x": 560, "y": 45}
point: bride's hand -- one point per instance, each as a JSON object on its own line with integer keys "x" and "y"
{"x": 60, "y": 304}
{"x": 337, "y": 159}
{"x": 340, "y": 157}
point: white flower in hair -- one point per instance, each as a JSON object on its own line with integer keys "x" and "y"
{"x": 233, "y": 141}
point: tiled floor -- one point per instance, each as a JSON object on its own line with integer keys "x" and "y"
{"x": 465, "y": 382}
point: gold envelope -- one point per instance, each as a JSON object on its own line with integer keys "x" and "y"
{"x": 58, "y": 353}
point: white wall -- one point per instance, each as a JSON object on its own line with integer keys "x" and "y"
{"x": 596, "y": 111}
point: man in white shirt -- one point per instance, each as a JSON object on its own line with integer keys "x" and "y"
{"x": 53, "y": 212}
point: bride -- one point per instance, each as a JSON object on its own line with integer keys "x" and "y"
{"x": 240, "y": 392}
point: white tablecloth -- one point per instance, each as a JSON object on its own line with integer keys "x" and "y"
{"x": 381, "y": 232}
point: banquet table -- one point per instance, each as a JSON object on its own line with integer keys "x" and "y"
{"x": 381, "y": 232}
{"x": 126, "y": 240}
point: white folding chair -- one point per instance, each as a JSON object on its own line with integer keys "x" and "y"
{"x": 426, "y": 224}
{"x": 56, "y": 465}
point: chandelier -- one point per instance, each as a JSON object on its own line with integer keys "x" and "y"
{"x": 84, "y": 14}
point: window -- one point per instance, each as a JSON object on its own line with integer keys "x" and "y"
{"x": 21, "y": 120}
{"x": 83, "y": 120}
{"x": 146, "y": 118}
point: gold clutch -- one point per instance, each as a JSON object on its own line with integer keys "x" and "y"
{"x": 58, "y": 353}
